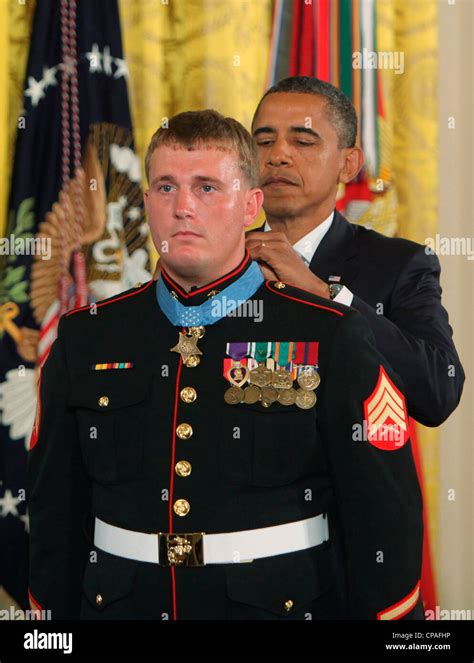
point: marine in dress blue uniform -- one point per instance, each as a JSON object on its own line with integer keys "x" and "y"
{"x": 135, "y": 437}
{"x": 226, "y": 447}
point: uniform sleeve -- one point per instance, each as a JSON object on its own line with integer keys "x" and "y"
{"x": 377, "y": 516}
{"x": 416, "y": 338}
{"x": 59, "y": 494}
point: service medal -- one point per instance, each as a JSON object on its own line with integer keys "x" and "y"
{"x": 287, "y": 396}
{"x": 252, "y": 394}
{"x": 308, "y": 379}
{"x": 233, "y": 395}
{"x": 261, "y": 376}
{"x": 305, "y": 399}
{"x": 282, "y": 379}
{"x": 269, "y": 395}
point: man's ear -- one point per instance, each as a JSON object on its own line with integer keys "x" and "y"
{"x": 352, "y": 165}
{"x": 253, "y": 205}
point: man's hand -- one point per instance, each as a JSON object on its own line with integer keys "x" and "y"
{"x": 279, "y": 262}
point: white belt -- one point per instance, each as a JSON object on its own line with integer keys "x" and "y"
{"x": 199, "y": 548}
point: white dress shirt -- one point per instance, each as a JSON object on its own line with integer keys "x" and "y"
{"x": 306, "y": 248}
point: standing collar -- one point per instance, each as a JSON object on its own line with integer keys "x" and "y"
{"x": 214, "y": 308}
{"x": 202, "y": 293}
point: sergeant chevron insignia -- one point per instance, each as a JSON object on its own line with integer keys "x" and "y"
{"x": 386, "y": 415}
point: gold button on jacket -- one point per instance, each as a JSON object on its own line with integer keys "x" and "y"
{"x": 181, "y": 507}
{"x": 188, "y": 394}
{"x": 183, "y": 468}
{"x": 184, "y": 431}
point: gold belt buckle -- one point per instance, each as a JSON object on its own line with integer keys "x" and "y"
{"x": 180, "y": 548}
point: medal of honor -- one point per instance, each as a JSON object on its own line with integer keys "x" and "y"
{"x": 187, "y": 347}
{"x": 192, "y": 361}
{"x": 197, "y": 332}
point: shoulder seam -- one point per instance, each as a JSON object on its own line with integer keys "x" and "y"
{"x": 302, "y": 301}
{"x": 111, "y": 301}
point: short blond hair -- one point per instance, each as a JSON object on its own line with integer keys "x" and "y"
{"x": 208, "y": 127}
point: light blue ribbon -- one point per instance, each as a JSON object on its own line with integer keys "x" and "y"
{"x": 212, "y": 310}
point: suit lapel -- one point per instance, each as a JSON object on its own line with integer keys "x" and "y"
{"x": 337, "y": 254}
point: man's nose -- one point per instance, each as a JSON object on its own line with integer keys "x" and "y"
{"x": 184, "y": 204}
{"x": 279, "y": 154}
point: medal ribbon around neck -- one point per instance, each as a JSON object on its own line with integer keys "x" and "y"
{"x": 205, "y": 314}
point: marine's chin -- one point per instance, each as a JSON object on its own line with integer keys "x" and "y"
{"x": 185, "y": 262}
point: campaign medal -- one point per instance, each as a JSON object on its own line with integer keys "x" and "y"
{"x": 252, "y": 394}
{"x": 305, "y": 399}
{"x": 306, "y": 359}
{"x": 282, "y": 379}
{"x": 261, "y": 376}
{"x": 269, "y": 395}
{"x": 308, "y": 378}
{"x": 287, "y": 396}
{"x": 233, "y": 395}
{"x": 282, "y": 353}
{"x": 305, "y": 365}
{"x": 270, "y": 368}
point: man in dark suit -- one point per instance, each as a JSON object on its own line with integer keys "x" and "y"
{"x": 306, "y": 135}
{"x": 241, "y": 445}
